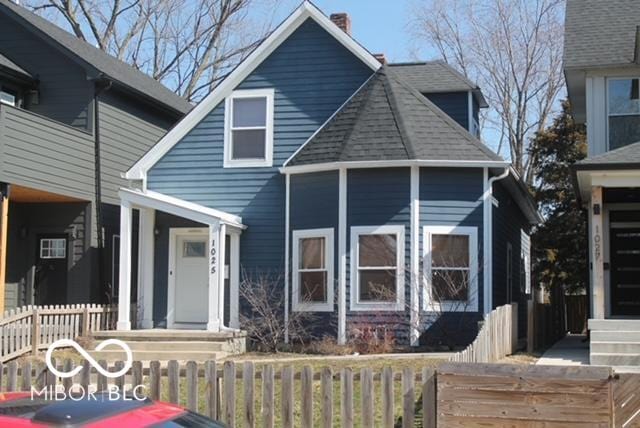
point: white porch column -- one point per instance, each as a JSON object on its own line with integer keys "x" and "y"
{"x": 214, "y": 323}
{"x": 597, "y": 252}
{"x": 234, "y": 281}
{"x": 414, "y": 277}
{"x": 124, "y": 290}
{"x": 145, "y": 267}
{"x": 221, "y": 257}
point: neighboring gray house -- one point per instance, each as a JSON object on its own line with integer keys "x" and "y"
{"x": 72, "y": 119}
{"x": 358, "y": 190}
{"x": 602, "y": 68}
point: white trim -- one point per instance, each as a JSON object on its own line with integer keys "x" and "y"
{"x": 234, "y": 280}
{"x": 472, "y": 233}
{"x": 329, "y": 166}
{"x": 174, "y": 232}
{"x": 220, "y": 259}
{"x": 275, "y": 39}
{"x": 298, "y": 306}
{"x": 525, "y": 256}
{"x": 146, "y": 241}
{"x": 342, "y": 256}
{"x": 124, "y": 283}
{"x": 414, "y": 280}
{"x": 215, "y": 316}
{"x": 179, "y": 207}
{"x": 398, "y": 305}
{"x": 268, "y": 94}
{"x": 470, "y": 112}
{"x": 287, "y": 217}
{"x": 509, "y": 272}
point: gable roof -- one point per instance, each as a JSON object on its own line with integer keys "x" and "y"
{"x": 305, "y": 11}
{"x": 621, "y": 158}
{"x": 389, "y": 120}
{"x": 600, "y": 33}
{"x": 437, "y": 76}
{"x": 7, "y": 64}
{"x": 95, "y": 60}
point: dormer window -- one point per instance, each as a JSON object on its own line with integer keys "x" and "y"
{"x": 624, "y": 112}
{"x": 248, "y": 139}
{"x": 8, "y": 97}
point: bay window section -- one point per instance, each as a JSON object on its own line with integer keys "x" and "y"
{"x": 377, "y": 266}
{"x": 313, "y": 270}
{"x": 623, "y": 111}
{"x": 451, "y": 268}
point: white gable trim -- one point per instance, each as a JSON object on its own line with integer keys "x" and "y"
{"x": 244, "y": 69}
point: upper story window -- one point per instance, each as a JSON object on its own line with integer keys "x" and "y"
{"x": 451, "y": 268}
{"x": 377, "y": 268}
{"x": 248, "y": 137}
{"x": 8, "y": 97}
{"x": 624, "y": 112}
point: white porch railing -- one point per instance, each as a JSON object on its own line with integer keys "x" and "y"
{"x": 31, "y": 328}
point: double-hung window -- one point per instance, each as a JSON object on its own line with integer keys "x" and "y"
{"x": 451, "y": 268}
{"x": 53, "y": 248}
{"x": 623, "y": 111}
{"x": 248, "y": 138}
{"x": 313, "y": 270}
{"x": 377, "y": 268}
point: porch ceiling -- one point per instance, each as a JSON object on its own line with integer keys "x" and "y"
{"x": 23, "y": 194}
{"x": 585, "y": 179}
{"x": 179, "y": 207}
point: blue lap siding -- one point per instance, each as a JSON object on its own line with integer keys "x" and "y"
{"x": 455, "y": 104}
{"x": 453, "y": 197}
{"x": 313, "y": 75}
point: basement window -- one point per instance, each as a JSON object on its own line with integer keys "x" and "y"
{"x": 248, "y": 140}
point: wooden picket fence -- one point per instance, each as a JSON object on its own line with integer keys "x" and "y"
{"x": 30, "y": 328}
{"x": 497, "y": 338}
{"x": 230, "y": 392}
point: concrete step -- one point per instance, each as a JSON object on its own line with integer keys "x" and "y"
{"x": 608, "y": 359}
{"x": 608, "y": 347}
{"x": 614, "y": 325}
{"x": 163, "y": 335}
{"x": 615, "y": 336}
{"x": 170, "y": 346}
{"x": 198, "y": 356}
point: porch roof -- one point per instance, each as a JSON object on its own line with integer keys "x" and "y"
{"x": 179, "y": 207}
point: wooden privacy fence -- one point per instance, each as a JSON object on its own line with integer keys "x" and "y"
{"x": 249, "y": 395}
{"x": 31, "y": 328}
{"x": 497, "y": 338}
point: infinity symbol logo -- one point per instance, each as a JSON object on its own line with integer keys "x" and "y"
{"x": 63, "y": 343}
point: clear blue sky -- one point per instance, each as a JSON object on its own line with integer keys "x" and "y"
{"x": 381, "y": 26}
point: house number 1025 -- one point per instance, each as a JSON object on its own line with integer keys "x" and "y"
{"x": 212, "y": 259}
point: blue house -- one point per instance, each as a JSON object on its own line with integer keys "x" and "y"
{"x": 359, "y": 188}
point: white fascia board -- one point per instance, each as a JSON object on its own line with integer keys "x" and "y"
{"x": 328, "y": 166}
{"x": 244, "y": 69}
{"x": 179, "y": 207}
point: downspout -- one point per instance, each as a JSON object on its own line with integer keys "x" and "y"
{"x": 488, "y": 236}
{"x": 101, "y": 85}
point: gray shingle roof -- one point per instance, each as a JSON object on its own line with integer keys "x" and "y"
{"x": 627, "y": 156}
{"x": 388, "y": 119}
{"x": 600, "y": 33}
{"x": 8, "y": 64}
{"x": 436, "y": 76}
{"x": 93, "y": 58}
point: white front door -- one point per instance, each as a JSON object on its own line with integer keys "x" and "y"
{"x": 189, "y": 276}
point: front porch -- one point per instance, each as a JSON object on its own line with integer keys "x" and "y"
{"x": 188, "y": 263}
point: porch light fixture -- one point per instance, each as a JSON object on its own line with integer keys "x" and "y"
{"x": 596, "y": 209}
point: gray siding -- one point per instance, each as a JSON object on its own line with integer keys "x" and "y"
{"x": 65, "y": 92}
{"x": 377, "y": 197}
{"x": 44, "y": 154}
{"x": 127, "y": 131}
{"x": 453, "y": 196}
{"x": 313, "y": 74}
{"x": 313, "y": 205}
{"x": 455, "y": 104}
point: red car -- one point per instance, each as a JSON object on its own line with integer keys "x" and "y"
{"x": 17, "y": 409}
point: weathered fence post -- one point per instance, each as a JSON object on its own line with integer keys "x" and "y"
{"x": 287, "y": 397}
{"x": 346, "y": 403}
{"x": 428, "y": 398}
{"x": 230, "y": 394}
{"x": 192, "y": 385}
{"x": 35, "y": 332}
{"x": 327, "y": 397}
{"x": 85, "y": 321}
{"x": 12, "y": 378}
{"x": 306, "y": 386}
{"x": 26, "y": 376}
{"x": 248, "y": 374}
{"x": 211, "y": 383}
{"x": 268, "y": 405}
{"x": 173, "y": 372}
{"x": 366, "y": 384}
{"x": 387, "y": 397}
{"x": 154, "y": 379}
{"x": 408, "y": 398}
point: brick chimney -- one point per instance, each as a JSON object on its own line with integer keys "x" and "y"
{"x": 382, "y": 58}
{"x": 343, "y": 21}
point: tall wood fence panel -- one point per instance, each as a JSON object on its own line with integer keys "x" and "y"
{"x": 496, "y": 339}
{"x": 30, "y": 328}
{"x": 500, "y": 395}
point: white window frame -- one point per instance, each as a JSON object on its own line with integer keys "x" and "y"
{"x": 52, "y": 257}
{"x": 451, "y": 306}
{"x": 525, "y": 258}
{"x": 228, "y": 122}
{"x": 355, "y": 304}
{"x": 14, "y": 99}
{"x": 298, "y": 235}
{"x": 608, "y": 109}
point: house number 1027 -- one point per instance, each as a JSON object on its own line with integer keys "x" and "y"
{"x": 212, "y": 259}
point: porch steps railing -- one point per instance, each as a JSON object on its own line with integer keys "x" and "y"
{"x": 32, "y": 328}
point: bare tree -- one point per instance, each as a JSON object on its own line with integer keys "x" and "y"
{"x": 187, "y": 45}
{"x": 513, "y": 50}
